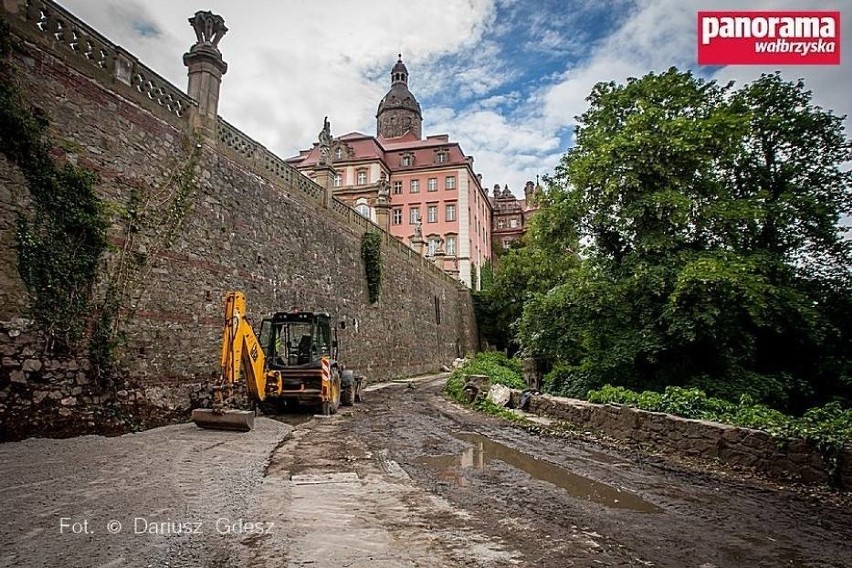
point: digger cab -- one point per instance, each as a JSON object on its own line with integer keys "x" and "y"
{"x": 298, "y": 339}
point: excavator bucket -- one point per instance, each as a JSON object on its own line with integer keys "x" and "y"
{"x": 239, "y": 420}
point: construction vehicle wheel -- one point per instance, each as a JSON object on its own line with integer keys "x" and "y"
{"x": 347, "y": 396}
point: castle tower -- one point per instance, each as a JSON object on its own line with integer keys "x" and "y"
{"x": 399, "y": 112}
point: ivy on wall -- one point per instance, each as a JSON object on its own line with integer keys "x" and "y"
{"x": 62, "y": 234}
{"x": 371, "y": 252}
{"x": 81, "y": 288}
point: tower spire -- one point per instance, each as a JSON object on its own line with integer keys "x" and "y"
{"x": 398, "y": 112}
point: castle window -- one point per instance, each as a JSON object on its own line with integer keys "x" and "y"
{"x": 451, "y": 211}
{"x": 432, "y": 184}
{"x": 406, "y": 160}
{"x": 413, "y": 215}
{"x": 450, "y": 182}
{"x": 415, "y": 186}
{"x": 336, "y": 180}
{"x": 362, "y": 208}
{"x": 433, "y": 245}
{"x": 397, "y": 188}
{"x": 441, "y": 157}
{"x": 451, "y": 245}
{"x": 432, "y": 214}
{"x": 397, "y": 216}
{"x": 338, "y": 153}
{"x": 362, "y": 177}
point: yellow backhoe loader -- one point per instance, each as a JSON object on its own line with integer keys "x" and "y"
{"x": 293, "y": 362}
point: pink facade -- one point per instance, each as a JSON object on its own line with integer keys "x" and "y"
{"x": 428, "y": 180}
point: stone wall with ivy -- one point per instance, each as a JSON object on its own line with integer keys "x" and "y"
{"x": 186, "y": 219}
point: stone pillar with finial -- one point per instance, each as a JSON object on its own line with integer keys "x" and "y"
{"x": 324, "y": 173}
{"x": 206, "y": 68}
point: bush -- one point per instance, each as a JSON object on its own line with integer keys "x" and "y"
{"x": 496, "y": 366}
{"x": 569, "y": 381}
{"x": 827, "y": 427}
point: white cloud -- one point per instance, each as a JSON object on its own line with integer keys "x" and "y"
{"x": 292, "y": 63}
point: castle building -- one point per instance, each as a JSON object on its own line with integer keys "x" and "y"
{"x": 511, "y": 216}
{"x": 434, "y": 200}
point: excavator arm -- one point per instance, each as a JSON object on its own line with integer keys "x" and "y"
{"x": 241, "y": 347}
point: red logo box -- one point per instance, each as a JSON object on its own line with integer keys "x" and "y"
{"x": 768, "y": 38}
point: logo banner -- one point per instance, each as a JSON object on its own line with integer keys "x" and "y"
{"x": 769, "y": 38}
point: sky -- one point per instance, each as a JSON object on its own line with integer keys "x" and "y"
{"x": 504, "y": 78}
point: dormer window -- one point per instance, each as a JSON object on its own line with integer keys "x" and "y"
{"x": 407, "y": 160}
{"x": 361, "y": 177}
{"x": 338, "y": 153}
{"x": 441, "y": 157}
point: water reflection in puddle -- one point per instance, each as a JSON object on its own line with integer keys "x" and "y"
{"x": 483, "y": 451}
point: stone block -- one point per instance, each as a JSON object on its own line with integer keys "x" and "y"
{"x": 32, "y": 365}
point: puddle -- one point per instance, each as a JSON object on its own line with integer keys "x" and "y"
{"x": 451, "y": 468}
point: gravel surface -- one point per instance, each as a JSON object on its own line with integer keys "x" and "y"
{"x": 177, "y": 493}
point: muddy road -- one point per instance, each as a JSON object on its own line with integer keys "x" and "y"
{"x": 405, "y": 480}
{"x": 557, "y": 503}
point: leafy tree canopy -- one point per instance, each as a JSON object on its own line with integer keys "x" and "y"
{"x": 712, "y": 254}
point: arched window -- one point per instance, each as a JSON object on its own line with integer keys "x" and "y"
{"x": 362, "y": 208}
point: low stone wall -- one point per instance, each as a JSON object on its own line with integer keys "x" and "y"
{"x": 738, "y": 447}
{"x": 55, "y": 395}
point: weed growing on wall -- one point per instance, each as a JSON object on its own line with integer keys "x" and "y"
{"x": 371, "y": 252}
{"x": 151, "y": 220}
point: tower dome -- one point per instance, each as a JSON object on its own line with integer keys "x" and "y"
{"x": 399, "y": 112}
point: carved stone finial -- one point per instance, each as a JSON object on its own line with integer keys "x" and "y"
{"x": 209, "y": 27}
{"x": 418, "y": 228}
{"x": 325, "y": 143}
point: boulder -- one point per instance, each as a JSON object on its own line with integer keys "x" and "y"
{"x": 499, "y": 395}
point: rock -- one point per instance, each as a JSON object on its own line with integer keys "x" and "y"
{"x": 82, "y": 379}
{"x": 76, "y": 390}
{"x": 475, "y": 387}
{"x": 55, "y": 395}
{"x": 458, "y": 363}
{"x": 70, "y": 401}
{"x": 499, "y": 394}
{"x": 9, "y": 362}
{"x": 32, "y": 365}
{"x": 17, "y": 377}
{"x": 445, "y": 369}
{"x": 39, "y": 396}
{"x": 65, "y": 412}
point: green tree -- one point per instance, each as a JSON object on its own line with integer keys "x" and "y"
{"x": 712, "y": 250}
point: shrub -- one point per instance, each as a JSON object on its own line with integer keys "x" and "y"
{"x": 570, "y": 381}
{"x": 496, "y": 366}
{"x": 827, "y": 427}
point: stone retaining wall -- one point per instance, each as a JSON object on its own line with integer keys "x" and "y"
{"x": 738, "y": 447}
